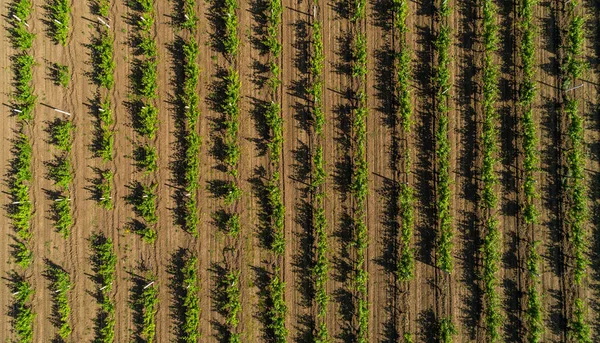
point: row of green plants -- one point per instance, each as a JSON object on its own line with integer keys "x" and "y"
{"x": 103, "y": 63}
{"x": 104, "y": 261}
{"x": 190, "y": 146}
{"x": 573, "y": 67}
{"x": 23, "y": 98}
{"x": 526, "y": 97}
{"x": 575, "y": 187}
{"x": 274, "y": 121}
{"x": 191, "y": 308}
{"x": 60, "y": 285}
{"x": 230, "y": 39}
{"x": 187, "y": 15}
{"x": 534, "y": 308}
{"x": 58, "y": 20}
{"x": 320, "y": 270}
{"x": 20, "y": 210}
{"x": 276, "y": 309}
{"x": 230, "y": 150}
{"x": 20, "y": 36}
{"x": 105, "y": 138}
{"x": 406, "y": 260}
{"x": 359, "y": 183}
{"x": 276, "y": 214}
{"x": 143, "y": 200}
{"x": 145, "y": 302}
{"x": 230, "y": 304}
{"x": 103, "y": 66}
{"x": 491, "y": 249}
{"x": 21, "y": 309}
{"x": 61, "y": 171}
{"x": 534, "y": 316}
{"x": 230, "y": 109}
{"x": 104, "y": 188}
{"x": 442, "y": 84}
{"x": 144, "y": 79}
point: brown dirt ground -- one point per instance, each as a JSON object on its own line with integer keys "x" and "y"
{"x": 402, "y": 308}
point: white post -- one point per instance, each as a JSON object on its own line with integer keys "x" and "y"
{"x": 573, "y": 88}
{"x": 14, "y": 16}
{"x": 18, "y": 111}
{"x": 15, "y": 293}
{"x": 103, "y": 22}
{"x": 106, "y": 286}
{"x": 58, "y": 22}
{"x": 148, "y": 285}
{"x": 63, "y": 112}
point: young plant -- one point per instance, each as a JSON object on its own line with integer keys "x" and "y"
{"x": 61, "y": 284}
{"x": 58, "y": 20}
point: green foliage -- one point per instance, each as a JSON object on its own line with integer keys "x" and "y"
{"x": 23, "y": 310}
{"x": 574, "y": 62}
{"x": 146, "y": 158}
{"x": 143, "y": 199}
{"x": 230, "y": 110}
{"x": 315, "y": 88}
{"x": 23, "y": 98}
{"x": 102, "y": 7}
{"x": 443, "y": 84}
{"x": 147, "y": 303}
{"x": 147, "y": 121}
{"x": 276, "y": 309}
{"x": 104, "y": 189}
{"x": 358, "y": 10}
{"x": 61, "y": 171}
{"x": 359, "y": 56}
{"x": 275, "y": 124}
{"x": 102, "y": 60}
{"x": 191, "y": 308}
{"x": 276, "y": 214}
{"x": 271, "y": 40}
{"x": 145, "y": 78}
{"x": 104, "y": 262}
{"x": 20, "y": 37}
{"x": 60, "y": 74}
{"x": 105, "y": 140}
{"x": 63, "y": 218}
{"x": 58, "y": 20}
{"x": 190, "y": 143}
{"x": 230, "y": 38}
{"x": 232, "y": 193}
{"x": 61, "y": 133}
{"x": 575, "y": 184}
{"x": 491, "y": 249}
{"x": 580, "y": 330}
{"x": 576, "y": 189}
{"x": 21, "y": 209}
{"x": 406, "y": 260}
{"x": 188, "y": 17}
{"x": 230, "y": 303}
{"x": 61, "y": 284}
{"x": 446, "y": 330}
{"x": 526, "y": 98}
